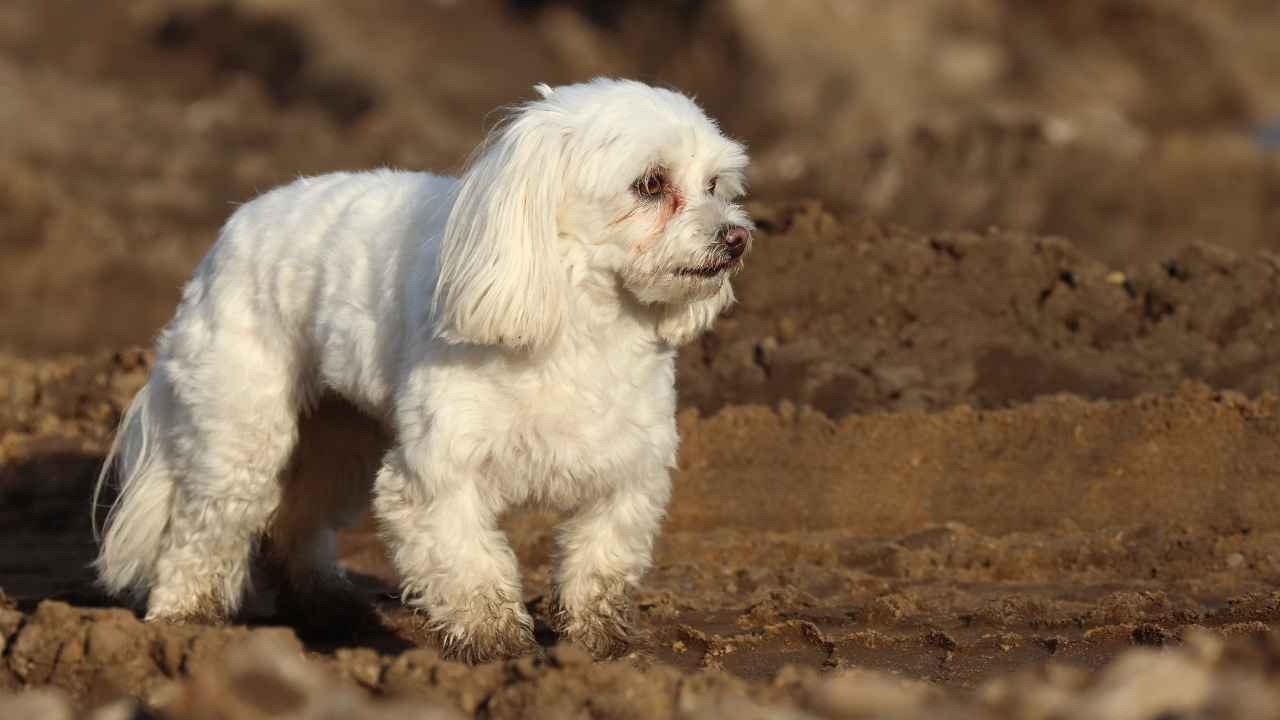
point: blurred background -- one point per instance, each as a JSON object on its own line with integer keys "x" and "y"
{"x": 129, "y": 129}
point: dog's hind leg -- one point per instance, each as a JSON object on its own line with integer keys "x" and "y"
{"x": 234, "y": 430}
{"x": 327, "y": 486}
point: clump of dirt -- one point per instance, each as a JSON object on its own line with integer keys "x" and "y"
{"x": 950, "y": 547}
{"x": 854, "y": 316}
{"x": 96, "y": 656}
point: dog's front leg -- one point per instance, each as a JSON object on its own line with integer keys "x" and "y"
{"x": 455, "y": 564}
{"x": 605, "y": 549}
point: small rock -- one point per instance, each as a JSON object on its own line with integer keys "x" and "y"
{"x": 870, "y": 694}
{"x": 891, "y": 608}
{"x": 939, "y": 639}
{"x": 10, "y": 621}
{"x": 122, "y": 709}
{"x": 1053, "y": 644}
{"x": 788, "y": 328}
{"x": 106, "y": 641}
{"x": 42, "y": 704}
{"x": 566, "y": 656}
{"x": 32, "y": 650}
{"x": 361, "y": 664}
{"x": 160, "y": 694}
{"x": 526, "y": 667}
{"x": 171, "y": 649}
{"x": 897, "y": 379}
{"x": 1150, "y": 634}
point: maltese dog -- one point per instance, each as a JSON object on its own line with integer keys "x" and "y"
{"x": 442, "y": 349}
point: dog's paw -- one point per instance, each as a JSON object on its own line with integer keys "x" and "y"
{"x": 197, "y": 612}
{"x": 605, "y": 637}
{"x": 603, "y": 626}
{"x": 327, "y": 606}
{"x": 482, "y": 632}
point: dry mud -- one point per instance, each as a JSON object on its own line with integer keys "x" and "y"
{"x": 916, "y": 536}
{"x": 929, "y": 469}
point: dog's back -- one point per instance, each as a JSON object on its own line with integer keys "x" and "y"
{"x": 322, "y": 266}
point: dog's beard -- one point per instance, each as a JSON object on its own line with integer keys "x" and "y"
{"x": 709, "y": 268}
{"x": 686, "y": 282}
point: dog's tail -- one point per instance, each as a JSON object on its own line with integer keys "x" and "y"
{"x": 130, "y": 540}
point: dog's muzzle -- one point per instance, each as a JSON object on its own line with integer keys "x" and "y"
{"x": 732, "y": 240}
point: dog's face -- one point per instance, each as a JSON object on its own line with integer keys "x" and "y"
{"x": 661, "y": 211}
{"x": 609, "y": 182}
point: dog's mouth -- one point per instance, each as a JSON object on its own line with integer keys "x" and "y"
{"x": 709, "y": 270}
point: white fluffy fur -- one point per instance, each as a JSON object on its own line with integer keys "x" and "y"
{"x": 511, "y": 332}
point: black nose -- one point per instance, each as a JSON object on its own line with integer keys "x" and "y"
{"x": 734, "y": 240}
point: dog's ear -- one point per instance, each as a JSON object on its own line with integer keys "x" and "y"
{"x": 501, "y": 281}
{"x": 678, "y": 324}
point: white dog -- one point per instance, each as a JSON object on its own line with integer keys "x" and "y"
{"x": 502, "y": 338}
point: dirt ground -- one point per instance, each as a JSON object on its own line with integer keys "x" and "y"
{"x": 993, "y": 432}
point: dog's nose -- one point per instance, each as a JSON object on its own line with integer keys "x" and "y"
{"x": 734, "y": 239}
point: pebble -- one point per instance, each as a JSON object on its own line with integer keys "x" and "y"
{"x": 106, "y": 641}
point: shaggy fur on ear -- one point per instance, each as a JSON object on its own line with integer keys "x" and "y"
{"x": 501, "y": 281}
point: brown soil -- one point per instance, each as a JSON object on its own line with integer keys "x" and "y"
{"x": 951, "y": 545}
{"x": 925, "y": 472}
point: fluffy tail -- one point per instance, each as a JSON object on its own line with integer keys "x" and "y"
{"x": 130, "y": 541}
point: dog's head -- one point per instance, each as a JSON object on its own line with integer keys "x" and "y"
{"x": 612, "y": 183}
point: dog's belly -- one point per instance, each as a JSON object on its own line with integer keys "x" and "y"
{"x": 356, "y": 353}
{"x": 335, "y": 460}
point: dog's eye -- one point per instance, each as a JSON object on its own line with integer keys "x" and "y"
{"x": 651, "y": 185}
{"x": 711, "y": 186}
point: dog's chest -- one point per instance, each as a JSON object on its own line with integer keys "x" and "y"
{"x": 580, "y": 426}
